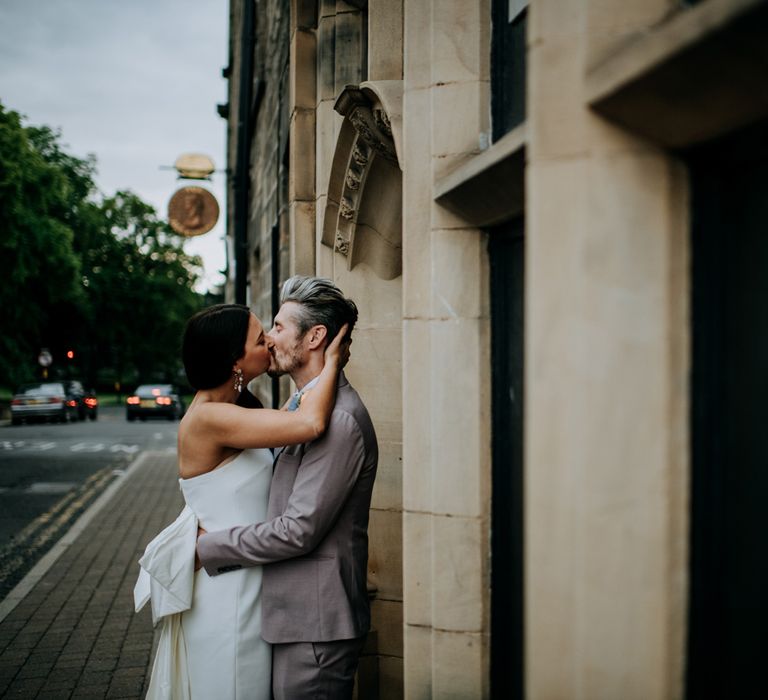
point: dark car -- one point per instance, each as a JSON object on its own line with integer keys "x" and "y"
{"x": 154, "y": 400}
{"x": 84, "y": 400}
{"x": 91, "y": 402}
{"x": 43, "y": 400}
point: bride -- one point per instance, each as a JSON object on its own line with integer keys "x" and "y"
{"x": 210, "y": 642}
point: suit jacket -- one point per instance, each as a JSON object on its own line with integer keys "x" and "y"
{"x": 315, "y": 539}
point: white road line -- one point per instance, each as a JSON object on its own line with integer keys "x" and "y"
{"x": 87, "y": 447}
{"x": 130, "y": 449}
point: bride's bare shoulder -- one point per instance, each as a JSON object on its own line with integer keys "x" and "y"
{"x": 209, "y": 412}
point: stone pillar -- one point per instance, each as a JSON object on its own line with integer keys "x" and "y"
{"x": 606, "y": 359}
{"x": 303, "y": 103}
{"x": 375, "y": 369}
{"x": 446, "y": 388}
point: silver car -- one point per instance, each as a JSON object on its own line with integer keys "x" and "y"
{"x": 43, "y": 400}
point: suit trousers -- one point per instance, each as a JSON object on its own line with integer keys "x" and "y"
{"x": 315, "y": 670}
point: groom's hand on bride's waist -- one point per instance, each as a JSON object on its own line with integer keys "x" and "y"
{"x": 198, "y": 563}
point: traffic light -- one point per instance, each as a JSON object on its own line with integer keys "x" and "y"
{"x": 70, "y": 354}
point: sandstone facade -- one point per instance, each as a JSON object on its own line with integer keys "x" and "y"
{"x": 376, "y": 158}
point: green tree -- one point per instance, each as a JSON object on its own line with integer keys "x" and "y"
{"x": 103, "y": 276}
{"x": 38, "y": 267}
{"x": 141, "y": 286}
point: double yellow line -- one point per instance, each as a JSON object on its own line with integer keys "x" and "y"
{"x": 49, "y": 526}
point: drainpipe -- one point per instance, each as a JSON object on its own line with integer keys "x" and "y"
{"x": 242, "y": 167}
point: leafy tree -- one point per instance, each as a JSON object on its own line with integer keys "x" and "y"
{"x": 140, "y": 283}
{"x": 103, "y": 276}
{"x": 38, "y": 266}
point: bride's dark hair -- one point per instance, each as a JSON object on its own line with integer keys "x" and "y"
{"x": 214, "y": 340}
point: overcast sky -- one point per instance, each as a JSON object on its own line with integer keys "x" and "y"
{"x": 134, "y": 82}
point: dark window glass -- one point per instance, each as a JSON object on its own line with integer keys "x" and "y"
{"x": 728, "y": 614}
{"x": 506, "y": 251}
{"x": 508, "y": 65}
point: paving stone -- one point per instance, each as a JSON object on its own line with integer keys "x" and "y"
{"x": 90, "y": 692}
{"x": 34, "y": 671}
{"x": 75, "y": 634}
{"x": 26, "y": 688}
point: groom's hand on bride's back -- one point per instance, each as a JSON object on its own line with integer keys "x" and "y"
{"x": 198, "y": 563}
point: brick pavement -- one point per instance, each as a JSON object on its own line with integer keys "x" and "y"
{"x": 75, "y": 635}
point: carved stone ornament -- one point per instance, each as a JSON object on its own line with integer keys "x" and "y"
{"x": 360, "y": 154}
{"x": 347, "y": 209}
{"x": 365, "y": 125}
{"x": 342, "y": 245}
{"x": 382, "y": 121}
{"x": 352, "y": 179}
{"x": 363, "y": 213}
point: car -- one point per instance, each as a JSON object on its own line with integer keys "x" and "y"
{"x": 85, "y": 401}
{"x": 43, "y": 400}
{"x": 91, "y": 402}
{"x": 154, "y": 400}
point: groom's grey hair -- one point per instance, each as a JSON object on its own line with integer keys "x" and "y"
{"x": 321, "y": 303}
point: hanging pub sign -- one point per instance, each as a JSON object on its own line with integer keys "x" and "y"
{"x": 192, "y": 211}
{"x": 194, "y": 166}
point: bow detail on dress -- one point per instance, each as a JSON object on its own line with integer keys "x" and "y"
{"x": 167, "y": 578}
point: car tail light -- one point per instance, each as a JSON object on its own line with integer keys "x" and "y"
{"x": 155, "y": 392}
{"x": 132, "y": 400}
{"x": 56, "y": 399}
{"x": 91, "y": 403}
{"x": 17, "y": 402}
{"x": 71, "y": 403}
{"x": 163, "y": 400}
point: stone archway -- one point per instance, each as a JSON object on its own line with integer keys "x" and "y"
{"x": 363, "y": 215}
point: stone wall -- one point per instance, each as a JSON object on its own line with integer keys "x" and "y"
{"x": 269, "y": 197}
{"x": 596, "y": 174}
{"x": 607, "y": 287}
{"x": 446, "y": 401}
{"x": 375, "y": 369}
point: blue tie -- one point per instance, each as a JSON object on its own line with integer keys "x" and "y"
{"x": 293, "y": 404}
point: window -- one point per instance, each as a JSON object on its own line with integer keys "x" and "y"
{"x": 508, "y": 65}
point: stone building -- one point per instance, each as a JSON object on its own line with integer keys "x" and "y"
{"x": 579, "y": 183}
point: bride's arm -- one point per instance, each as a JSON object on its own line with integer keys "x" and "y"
{"x": 233, "y": 426}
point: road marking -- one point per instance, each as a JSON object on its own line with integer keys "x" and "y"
{"x": 42, "y": 446}
{"x": 130, "y": 449}
{"x": 87, "y": 447}
{"x": 39, "y": 570}
{"x": 49, "y": 525}
{"x": 38, "y": 445}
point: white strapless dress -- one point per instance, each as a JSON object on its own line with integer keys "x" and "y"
{"x": 210, "y": 645}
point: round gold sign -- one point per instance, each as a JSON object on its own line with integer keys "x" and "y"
{"x": 193, "y": 211}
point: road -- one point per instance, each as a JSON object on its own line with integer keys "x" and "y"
{"x": 50, "y": 473}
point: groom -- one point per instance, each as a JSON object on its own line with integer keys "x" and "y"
{"x": 315, "y": 540}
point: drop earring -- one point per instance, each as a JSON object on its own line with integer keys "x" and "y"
{"x": 238, "y": 380}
